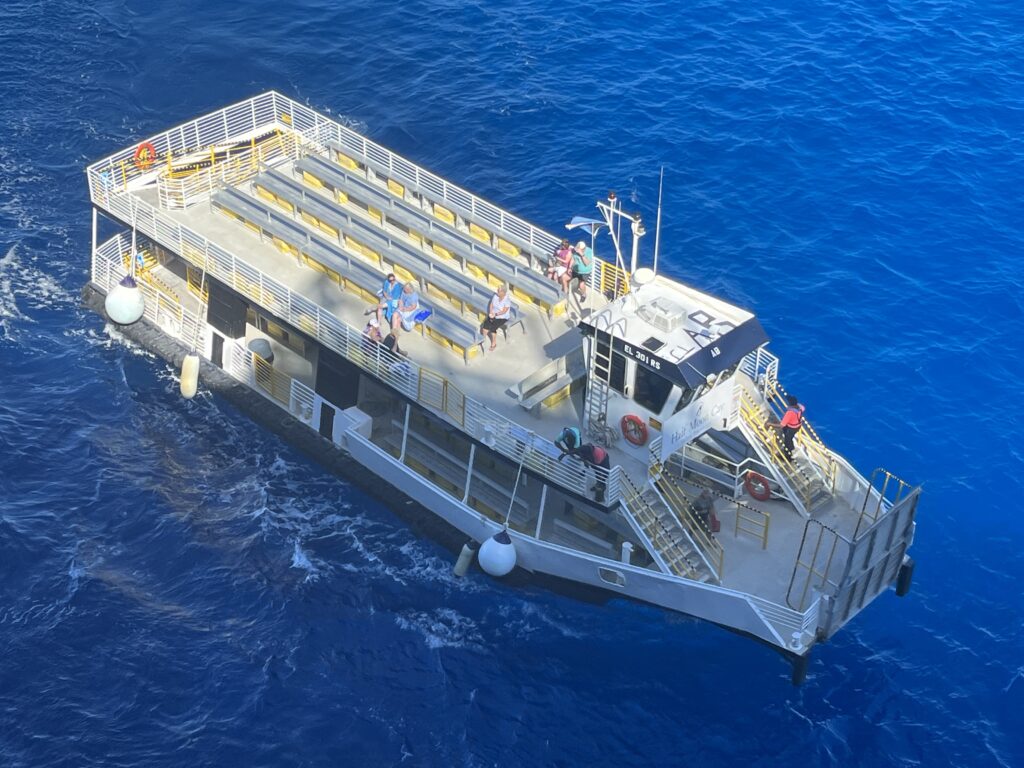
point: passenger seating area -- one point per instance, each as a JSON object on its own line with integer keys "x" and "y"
{"x": 433, "y": 227}
{"x": 353, "y": 272}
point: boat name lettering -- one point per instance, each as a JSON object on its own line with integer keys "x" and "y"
{"x": 640, "y": 356}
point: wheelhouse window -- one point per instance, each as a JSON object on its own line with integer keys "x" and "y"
{"x": 651, "y": 390}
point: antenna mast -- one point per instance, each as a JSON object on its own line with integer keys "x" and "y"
{"x": 657, "y": 224}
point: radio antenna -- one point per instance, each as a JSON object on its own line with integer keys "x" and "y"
{"x": 657, "y": 225}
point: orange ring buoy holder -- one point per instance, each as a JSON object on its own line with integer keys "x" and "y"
{"x": 633, "y": 429}
{"x": 145, "y": 156}
{"x": 757, "y": 486}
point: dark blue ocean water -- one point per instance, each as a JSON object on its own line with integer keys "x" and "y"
{"x": 178, "y": 587}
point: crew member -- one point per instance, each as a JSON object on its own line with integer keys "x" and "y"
{"x": 791, "y": 422}
{"x": 593, "y": 456}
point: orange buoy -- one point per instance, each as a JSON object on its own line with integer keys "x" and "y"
{"x": 145, "y": 155}
{"x": 757, "y": 486}
{"x": 633, "y": 429}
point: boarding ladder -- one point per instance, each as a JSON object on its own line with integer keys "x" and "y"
{"x": 665, "y": 538}
{"x": 599, "y": 374}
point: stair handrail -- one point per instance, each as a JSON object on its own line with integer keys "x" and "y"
{"x": 686, "y": 517}
{"x": 657, "y": 531}
{"x": 807, "y": 438}
{"x": 752, "y": 417}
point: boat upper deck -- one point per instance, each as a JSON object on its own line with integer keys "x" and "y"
{"x": 293, "y": 209}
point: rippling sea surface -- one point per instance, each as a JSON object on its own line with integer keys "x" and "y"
{"x": 178, "y": 587}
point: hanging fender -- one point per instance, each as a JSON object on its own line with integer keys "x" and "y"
{"x": 757, "y": 486}
{"x": 633, "y": 429}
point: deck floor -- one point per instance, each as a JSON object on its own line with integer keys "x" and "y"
{"x": 490, "y": 378}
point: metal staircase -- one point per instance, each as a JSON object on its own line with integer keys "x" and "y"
{"x": 667, "y": 541}
{"x": 801, "y": 480}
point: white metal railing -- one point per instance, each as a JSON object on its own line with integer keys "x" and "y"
{"x": 114, "y": 174}
{"x": 479, "y": 421}
{"x": 762, "y": 367}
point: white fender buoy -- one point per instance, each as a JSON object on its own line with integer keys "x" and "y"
{"x": 125, "y": 302}
{"x": 189, "y": 381}
{"x": 498, "y": 555}
{"x": 466, "y": 556}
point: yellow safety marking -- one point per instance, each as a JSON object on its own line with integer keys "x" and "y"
{"x": 395, "y": 188}
{"x": 404, "y": 274}
{"x": 254, "y": 227}
{"x": 329, "y": 229}
{"x": 312, "y": 180}
{"x": 375, "y": 214}
{"x": 443, "y": 252}
{"x": 346, "y": 162}
{"x": 480, "y": 233}
{"x": 314, "y": 264}
{"x": 508, "y": 248}
{"x": 474, "y": 270}
{"x": 285, "y": 247}
{"x": 340, "y": 196}
{"x": 556, "y": 397}
{"x": 442, "y": 213}
{"x": 494, "y": 281}
{"x": 416, "y": 237}
{"x": 310, "y": 218}
{"x": 286, "y": 118}
{"x": 363, "y": 250}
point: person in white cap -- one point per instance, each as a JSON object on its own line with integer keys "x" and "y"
{"x": 582, "y": 266}
{"x": 372, "y": 331}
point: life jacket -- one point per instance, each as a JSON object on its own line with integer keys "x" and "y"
{"x": 797, "y": 411}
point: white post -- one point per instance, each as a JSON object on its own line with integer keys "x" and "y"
{"x": 92, "y": 256}
{"x": 627, "y": 552}
{"x": 469, "y": 471}
{"x": 405, "y": 432}
{"x": 540, "y": 511}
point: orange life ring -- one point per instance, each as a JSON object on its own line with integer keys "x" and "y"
{"x": 633, "y": 429}
{"x": 757, "y": 486}
{"x": 145, "y": 154}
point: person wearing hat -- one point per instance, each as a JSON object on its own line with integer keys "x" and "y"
{"x": 582, "y": 266}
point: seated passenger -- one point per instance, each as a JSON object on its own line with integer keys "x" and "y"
{"x": 560, "y": 265}
{"x": 499, "y": 312}
{"x": 389, "y": 295}
{"x": 372, "y": 331}
{"x": 408, "y": 306}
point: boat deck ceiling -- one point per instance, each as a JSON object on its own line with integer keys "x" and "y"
{"x": 490, "y": 378}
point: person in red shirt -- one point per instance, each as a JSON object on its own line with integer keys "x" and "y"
{"x": 593, "y": 456}
{"x": 791, "y": 422}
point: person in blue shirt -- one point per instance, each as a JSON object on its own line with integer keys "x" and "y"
{"x": 389, "y": 295}
{"x": 582, "y": 266}
{"x": 408, "y": 306}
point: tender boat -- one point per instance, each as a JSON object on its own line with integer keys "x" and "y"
{"x": 253, "y": 244}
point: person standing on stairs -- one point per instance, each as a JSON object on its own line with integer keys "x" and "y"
{"x": 791, "y": 422}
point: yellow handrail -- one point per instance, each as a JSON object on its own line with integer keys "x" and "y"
{"x": 809, "y": 439}
{"x": 656, "y": 531}
{"x": 754, "y": 417}
{"x": 611, "y": 281}
{"x": 685, "y": 514}
{"x": 274, "y": 383}
{"x": 752, "y": 521}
